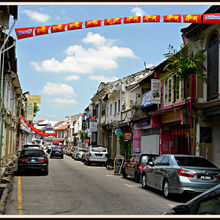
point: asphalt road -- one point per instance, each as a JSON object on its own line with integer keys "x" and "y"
{"x": 72, "y": 188}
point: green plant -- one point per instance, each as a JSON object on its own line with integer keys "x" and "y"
{"x": 124, "y": 145}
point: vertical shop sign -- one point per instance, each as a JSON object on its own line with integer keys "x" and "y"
{"x": 30, "y": 111}
{"x": 156, "y": 91}
{"x": 137, "y": 141}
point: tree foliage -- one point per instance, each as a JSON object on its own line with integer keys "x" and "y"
{"x": 181, "y": 64}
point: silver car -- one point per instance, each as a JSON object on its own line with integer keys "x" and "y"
{"x": 180, "y": 173}
{"x": 77, "y": 154}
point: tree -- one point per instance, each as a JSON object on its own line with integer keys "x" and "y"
{"x": 181, "y": 65}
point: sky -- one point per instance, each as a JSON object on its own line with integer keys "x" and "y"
{"x": 66, "y": 68}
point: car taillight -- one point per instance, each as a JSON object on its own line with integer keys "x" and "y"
{"x": 22, "y": 159}
{"x": 140, "y": 168}
{"x": 78, "y": 153}
{"x": 218, "y": 176}
{"x": 42, "y": 159}
{"x": 185, "y": 173}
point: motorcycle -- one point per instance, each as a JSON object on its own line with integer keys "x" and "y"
{"x": 109, "y": 164}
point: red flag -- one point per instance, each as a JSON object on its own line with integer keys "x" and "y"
{"x": 93, "y": 23}
{"x": 58, "y": 28}
{"x": 192, "y": 18}
{"x": 74, "y": 26}
{"x": 42, "y": 30}
{"x": 134, "y": 19}
{"x": 151, "y": 18}
{"x": 112, "y": 21}
{"x": 93, "y": 118}
{"x": 24, "y": 32}
{"x": 172, "y": 18}
{"x": 211, "y": 18}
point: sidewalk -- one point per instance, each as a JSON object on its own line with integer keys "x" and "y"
{"x": 6, "y": 183}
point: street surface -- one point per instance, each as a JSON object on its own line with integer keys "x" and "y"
{"x": 72, "y": 188}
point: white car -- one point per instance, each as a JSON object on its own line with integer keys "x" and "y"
{"x": 95, "y": 154}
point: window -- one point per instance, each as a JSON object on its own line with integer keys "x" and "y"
{"x": 119, "y": 105}
{"x": 115, "y": 107}
{"x": 110, "y": 109}
{"x": 107, "y": 112}
{"x": 103, "y": 109}
{"x": 158, "y": 160}
{"x": 169, "y": 90}
{"x": 165, "y": 161}
{"x": 212, "y": 67}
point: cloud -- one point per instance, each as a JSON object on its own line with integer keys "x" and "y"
{"x": 97, "y": 39}
{"x": 58, "y": 89}
{"x": 61, "y": 101}
{"x": 70, "y": 78}
{"x": 138, "y": 11}
{"x": 103, "y": 78}
{"x": 34, "y": 15}
{"x": 84, "y": 61}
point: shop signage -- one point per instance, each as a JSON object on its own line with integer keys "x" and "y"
{"x": 155, "y": 121}
{"x": 171, "y": 116}
{"x": 128, "y": 136}
{"x": 155, "y": 91}
{"x": 137, "y": 141}
{"x": 118, "y": 132}
{"x": 34, "y": 98}
{"x": 87, "y": 141}
{"x": 30, "y": 111}
{"x": 93, "y": 126}
{"x": 118, "y": 163}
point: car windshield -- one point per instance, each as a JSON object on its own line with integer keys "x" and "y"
{"x": 193, "y": 161}
{"x": 81, "y": 150}
{"x": 31, "y": 145}
{"x": 33, "y": 153}
{"x": 98, "y": 149}
{"x": 57, "y": 148}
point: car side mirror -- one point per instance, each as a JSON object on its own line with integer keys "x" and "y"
{"x": 151, "y": 164}
{"x": 181, "y": 209}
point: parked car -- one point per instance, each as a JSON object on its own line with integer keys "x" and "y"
{"x": 77, "y": 154}
{"x": 95, "y": 154}
{"x": 83, "y": 159}
{"x": 32, "y": 158}
{"x": 31, "y": 145}
{"x": 180, "y": 173}
{"x": 134, "y": 166}
{"x": 56, "y": 152}
{"x": 207, "y": 203}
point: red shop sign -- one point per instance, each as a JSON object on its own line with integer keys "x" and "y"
{"x": 128, "y": 136}
{"x": 87, "y": 141}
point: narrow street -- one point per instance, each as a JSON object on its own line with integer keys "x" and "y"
{"x": 72, "y": 188}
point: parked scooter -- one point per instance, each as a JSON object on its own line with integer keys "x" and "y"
{"x": 109, "y": 163}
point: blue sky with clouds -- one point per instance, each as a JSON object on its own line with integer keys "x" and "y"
{"x": 66, "y": 68}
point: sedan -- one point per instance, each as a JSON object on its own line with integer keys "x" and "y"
{"x": 77, "y": 154}
{"x": 180, "y": 173}
{"x": 56, "y": 152}
{"x": 134, "y": 166}
{"x": 207, "y": 203}
{"x": 32, "y": 158}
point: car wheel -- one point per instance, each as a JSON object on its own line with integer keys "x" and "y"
{"x": 88, "y": 163}
{"x": 144, "y": 181}
{"x": 136, "y": 178}
{"x": 166, "y": 189}
{"x": 124, "y": 175}
{"x": 62, "y": 157}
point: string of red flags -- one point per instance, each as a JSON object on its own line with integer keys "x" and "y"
{"x": 176, "y": 18}
{"x": 37, "y": 131}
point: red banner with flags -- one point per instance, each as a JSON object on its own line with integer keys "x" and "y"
{"x": 93, "y": 23}
{"x": 133, "y": 19}
{"x": 74, "y": 26}
{"x": 58, "y": 28}
{"x": 151, "y": 18}
{"x": 41, "y": 133}
{"x": 42, "y": 30}
{"x": 112, "y": 21}
{"x": 211, "y": 18}
{"x": 172, "y": 18}
{"x": 192, "y": 18}
{"x": 24, "y": 32}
